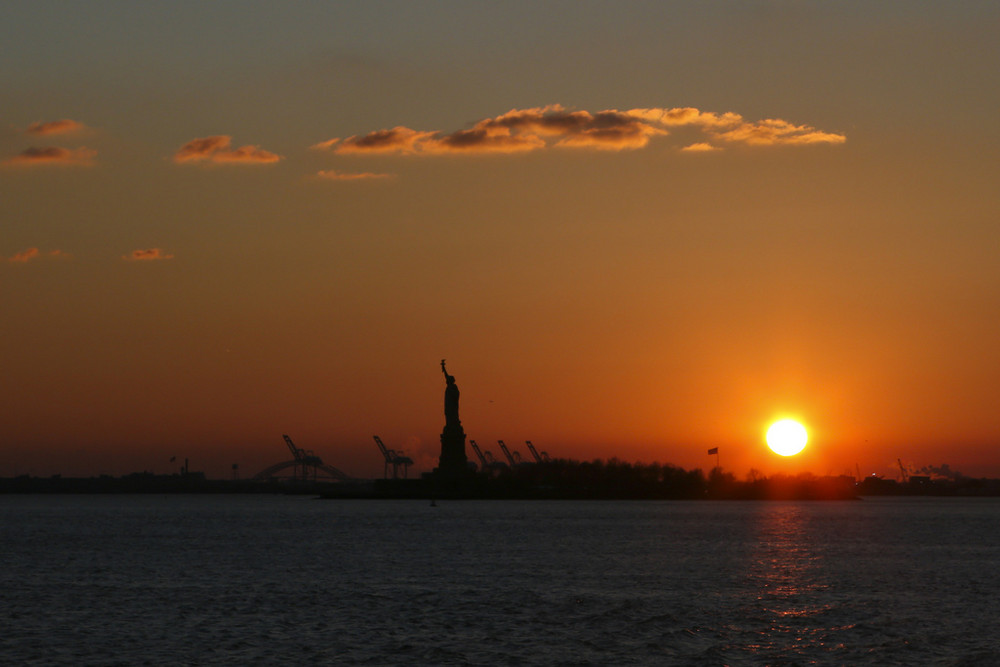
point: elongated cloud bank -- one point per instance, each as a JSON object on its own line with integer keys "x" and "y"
{"x": 216, "y": 149}
{"x": 64, "y": 126}
{"x": 30, "y": 254}
{"x": 332, "y": 175}
{"x": 146, "y": 255}
{"x": 554, "y": 126}
{"x": 52, "y": 155}
{"x": 24, "y": 256}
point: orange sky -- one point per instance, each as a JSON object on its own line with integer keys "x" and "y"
{"x": 638, "y": 234}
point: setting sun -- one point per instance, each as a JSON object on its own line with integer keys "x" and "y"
{"x": 786, "y": 437}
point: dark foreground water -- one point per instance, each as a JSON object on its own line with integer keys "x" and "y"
{"x": 107, "y": 580}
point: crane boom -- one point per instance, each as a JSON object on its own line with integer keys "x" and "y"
{"x": 381, "y": 447}
{"x": 479, "y": 453}
{"x": 304, "y": 465}
{"x": 296, "y": 452}
{"x": 539, "y": 458}
{"x": 506, "y": 452}
{"x": 388, "y": 454}
{"x": 394, "y": 459}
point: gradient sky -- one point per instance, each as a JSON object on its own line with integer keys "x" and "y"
{"x": 635, "y": 229}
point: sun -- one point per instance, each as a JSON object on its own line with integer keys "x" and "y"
{"x": 787, "y": 437}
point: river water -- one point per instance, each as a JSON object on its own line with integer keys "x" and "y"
{"x": 231, "y": 579}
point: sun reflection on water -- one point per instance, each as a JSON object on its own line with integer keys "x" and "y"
{"x": 786, "y": 605}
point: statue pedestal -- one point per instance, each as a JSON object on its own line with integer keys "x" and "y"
{"x": 453, "y": 461}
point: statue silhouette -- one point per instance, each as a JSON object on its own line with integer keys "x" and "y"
{"x": 453, "y": 463}
{"x": 450, "y": 399}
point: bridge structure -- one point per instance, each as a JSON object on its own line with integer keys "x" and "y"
{"x": 304, "y": 467}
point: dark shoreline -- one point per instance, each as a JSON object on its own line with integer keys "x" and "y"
{"x": 513, "y": 487}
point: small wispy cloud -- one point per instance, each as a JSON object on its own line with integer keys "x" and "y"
{"x": 325, "y": 145}
{"x": 773, "y": 131}
{"x": 30, "y": 254}
{"x": 332, "y": 175}
{"x": 216, "y": 149}
{"x": 63, "y": 126}
{"x": 246, "y": 155}
{"x": 52, "y": 156}
{"x": 554, "y": 126}
{"x": 200, "y": 149}
{"x": 146, "y": 255}
{"x": 733, "y": 128}
{"x": 24, "y": 256}
{"x": 700, "y": 147}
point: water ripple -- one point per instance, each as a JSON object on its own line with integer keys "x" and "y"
{"x": 265, "y": 580}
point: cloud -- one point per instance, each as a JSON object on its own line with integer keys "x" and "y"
{"x": 606, "y": 130}
{"x": 517, "y": 131}
{"x": 776, "y": 131}
{"x": 483, "y": 140}
{"x": 200, "y": 149}
{"x": 325, "y": 145}
{"x": 396, "y": 140}
{"x": 332, "y": 175}
{"x": 52, "y": 155}
{"x": 700, "y": 147}
{"x": 147, "y": 254}
{"x": 24, "y": 256}
{"x": 682, "y": 116}
{"x": 554, "y": 126}
{"x": 732, "y": 127}
{"x": 30, "y": 254}
{"x": 64, "y": 126}
{"x": 216, "y": 149}
{"x": 246, "y": 154}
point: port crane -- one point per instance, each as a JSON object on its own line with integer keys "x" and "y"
{"x": 394, "y": 459}
{"x": 306, "y": 467}
{"x": 905, "y": 476}
{"x": 488, "y": 460}
{"x": 515, "y": 458}
{"x": 479, "y": 453}
{"x": 493, "y": 461}
{"x": 542, "y": 457}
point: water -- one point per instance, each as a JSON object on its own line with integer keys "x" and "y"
{"x": 107, "y": 580}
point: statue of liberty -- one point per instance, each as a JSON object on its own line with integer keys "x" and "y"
{"x": 450, "y": 400}
{"x": 453, "y": 462}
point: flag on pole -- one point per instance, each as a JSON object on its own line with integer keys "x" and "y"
{"x": 713, "y": 450}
